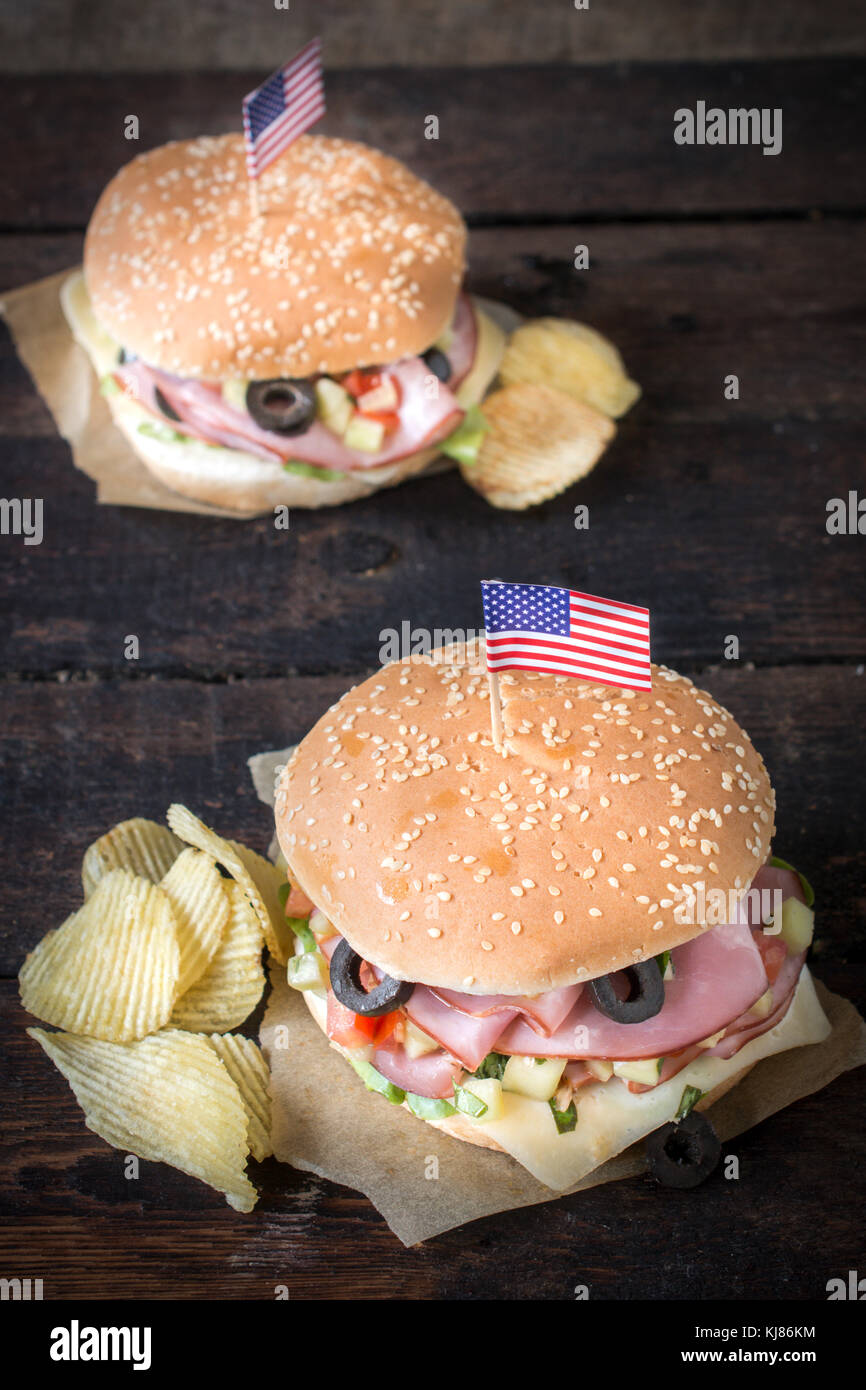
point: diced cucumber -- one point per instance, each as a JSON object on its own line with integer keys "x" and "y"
{"x": 320, "y": 925}
{"x": 494, "y": 1065}
{"x": 366, "y": 435}
{"x": 333, "y": 405}
{"x": 313, "y": 470}
{"x": 308, "y": 971}
{"x": 464, "y": 443}
{"x": 762, "y": 1006}
{"x": 523, "y": 1075}
{"x": 382, "y": 397}
{"x": 164, "y": 433}
{"x": 666, "y": 965}
{"x": 235, "y": 393}
{"x": 798, "y": 924}
{"x": 416, "y": 1042}
{"x": 427, "y": 1108}
{"x": 688, "y": 1100}
{"x": 601, "y": 1070}
{"x": 566, "y": 1120}
{"x": 479, "y": 1099}
{"x": 645, "y": 1070}
{"x": 375, "y": 1081}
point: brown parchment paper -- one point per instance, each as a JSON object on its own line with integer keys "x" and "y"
{"x": 66, "y": 381}
{"x": 326, "y": 1122}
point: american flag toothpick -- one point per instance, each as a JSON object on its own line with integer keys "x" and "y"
{"x": 281, "y": 109}
{"x": 539, "y": 627}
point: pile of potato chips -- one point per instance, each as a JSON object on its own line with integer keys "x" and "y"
{"x": 146, "y": 980}
{"x": 562, "y": 385}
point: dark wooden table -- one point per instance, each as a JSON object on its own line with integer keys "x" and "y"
{"x": 704, "y": 262}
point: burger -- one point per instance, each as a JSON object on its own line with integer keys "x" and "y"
{"x": 557, "y": 946}
{"x": 306, "y": 356}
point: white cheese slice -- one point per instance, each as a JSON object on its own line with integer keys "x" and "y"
{"x": 99, "y": 345}
{"x": 610, "y": 1117}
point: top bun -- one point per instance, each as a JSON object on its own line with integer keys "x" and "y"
{"x": 559, "y": 859}
{"x": 354, "y": 260}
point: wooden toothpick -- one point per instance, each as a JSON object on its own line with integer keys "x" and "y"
{"x": 495, "y": 709}
{"x": 255, "y": 211}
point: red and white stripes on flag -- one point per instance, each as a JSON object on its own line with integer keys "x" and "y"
{"x": 275, "y": 114}
{"x": 534, "y": 627}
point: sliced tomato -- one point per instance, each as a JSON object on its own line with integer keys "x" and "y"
{"x": 298, "y": 904}
{"x": 773, "y": 953}
{"x": 347, "y": 1028}
{"x": 387, "y": 1023}
{"x": 360, "y": 380}
{"x": 389, "y": 418}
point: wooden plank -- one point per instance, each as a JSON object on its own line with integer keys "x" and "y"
{"x": 80, "y": 756}
{"x": 47, "y": 37}
{"x": 719, "y": 531}
{"x": 543, "y": 142}
{"x": 779, "y": 303}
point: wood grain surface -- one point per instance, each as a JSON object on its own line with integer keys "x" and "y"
{"x": 712, "y": 512}
{"x": 51, "y": 35}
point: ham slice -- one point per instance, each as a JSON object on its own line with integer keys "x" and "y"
{"x": 465, "y": 1037}
{"x": 430, "y": 1075}
{"x": 717, "y": 976}
{"x": 206, "y": 415}
{"x": 424, "y": 418}
{"x": 579, "y": 1074}
{"x": 464, "y": 342}
{"x": 543, "y": 1012}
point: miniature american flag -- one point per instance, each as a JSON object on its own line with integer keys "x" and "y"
{"x": 276, "y": 113}
{"x": 536, "y": 627}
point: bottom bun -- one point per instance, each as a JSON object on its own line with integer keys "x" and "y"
{"x": 459, "y": 1127}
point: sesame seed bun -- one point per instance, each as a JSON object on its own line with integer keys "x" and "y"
{"x": 354, "y": 260}
{"x": 558, "y": 859}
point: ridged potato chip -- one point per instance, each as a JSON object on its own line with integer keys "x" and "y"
{"x": 195, "y": 888}
{"x": 539, "y": 442}
{"x": 248, "y": 1069}
{"x": 269, "y": 879}
{"x": 232, "y": 985}
{"x": 111, "y": 970}
{"x": 258, "y": 878}
{"x": 167, "y": 1098}
{"x": 141, "y": 846}
{"x": 572, "y": 357}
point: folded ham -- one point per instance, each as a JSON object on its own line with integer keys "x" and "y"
{"x": 425, "y": 417}
{"x": 718, "y": 977}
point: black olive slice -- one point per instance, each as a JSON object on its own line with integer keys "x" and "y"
{"x": 163, "y": 404}
{"x": 283, "y": 405}
{"x": 645, "y": 998}
{"x": 124, "y": 355}
{"x": 438, "y": 363}
{"x": 388, "y": 995}
{"x": 684, "y": 1154}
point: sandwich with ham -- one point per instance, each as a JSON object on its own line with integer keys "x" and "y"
{"x": 306, "y": 356}
{"x": 557, "y": 947}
